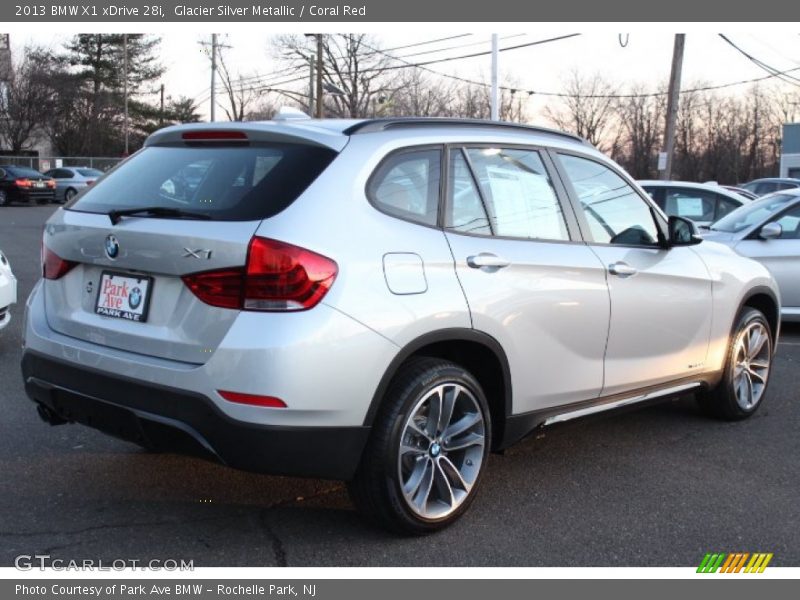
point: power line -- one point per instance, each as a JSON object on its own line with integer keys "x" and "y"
{"x": 761, "y": 64}
{"x": 473, "y": 55}
{"x": 530, "y": 92}
{"x": 444, "y": 39}
{"x": 507, "y": 37}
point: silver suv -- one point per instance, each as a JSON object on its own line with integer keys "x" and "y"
{"x": 381, "y": 301}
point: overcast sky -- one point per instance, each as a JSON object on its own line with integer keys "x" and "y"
{"x": 645, "y": 57}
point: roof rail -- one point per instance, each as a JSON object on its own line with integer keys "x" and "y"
{"x": 373, "y": 125}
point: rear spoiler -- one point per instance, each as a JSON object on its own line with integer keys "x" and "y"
{"x": 292, "y": 132}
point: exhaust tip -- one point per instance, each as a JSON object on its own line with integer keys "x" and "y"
{"x": 49, "y": 416}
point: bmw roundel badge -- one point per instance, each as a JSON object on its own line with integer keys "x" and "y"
{"x": 112, "y": 247}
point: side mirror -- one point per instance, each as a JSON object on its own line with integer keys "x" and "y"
{"x": 683, "y": 232}
{"x": 770, "y": 231}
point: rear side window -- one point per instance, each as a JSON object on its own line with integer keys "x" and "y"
{"x": 406, "y": 185}
{"x": 518, "y": 193}
{"x": 694, "y": 204}
{"x": 229, "y": 183}
{"x": 725, "y": 207}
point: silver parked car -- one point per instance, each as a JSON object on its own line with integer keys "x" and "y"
{"x": 703, "y": 203}
{"x": 71, "y": 180}
{"x": 768, "y": 230}
{"x": 8, "y": 291}
{"x": 381, "y": 301}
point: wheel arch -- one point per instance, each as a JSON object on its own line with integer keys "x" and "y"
{"x": 478, "y": 352}
{"x": 765, "y": 300}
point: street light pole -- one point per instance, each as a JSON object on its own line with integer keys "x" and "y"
{"x": 125, "y": 83}
{"x": 495, "y": 100}
{"x": 319, "y": 76}
{"x": 213, "y": 76}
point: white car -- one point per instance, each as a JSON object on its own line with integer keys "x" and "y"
{"x": 8, "y": 290}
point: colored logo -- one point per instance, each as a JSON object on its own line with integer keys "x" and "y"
{"x": 135, "y": 298}
{"x": 112, "y": 247}
{"x": 736, "y": 562}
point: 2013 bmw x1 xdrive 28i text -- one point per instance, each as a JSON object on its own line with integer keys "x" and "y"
{"x": 380, "y": 301}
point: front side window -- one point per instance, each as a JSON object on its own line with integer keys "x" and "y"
{"x": 406, "y": 185}
{"x": 518, "y": 195}
{"x": 615, "y": 212}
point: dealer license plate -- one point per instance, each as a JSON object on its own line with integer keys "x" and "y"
{"x": 123, "y": 297}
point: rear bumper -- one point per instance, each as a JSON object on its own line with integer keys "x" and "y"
{"x": 42, "y": 196}
{"x": 170, "y": 419}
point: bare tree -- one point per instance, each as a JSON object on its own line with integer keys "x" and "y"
{"x": 240, "y": 91}
{"x": 640, "y": 118}
{"x": 353, "y": 71}
{"x": 587, "y": 108}
{"x": 27, "y": 101}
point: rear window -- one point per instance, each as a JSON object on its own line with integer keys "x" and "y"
{"x": 228, "y": 183}
{"x": 23, "y": 172}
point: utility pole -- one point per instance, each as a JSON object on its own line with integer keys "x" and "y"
{"x": 495, "y": 100}
{"x": 125, "y": 72}
{"x": 311, "y": 84}
{"x": 319, "y": 76}
{"x": 673, "y": 100}
{"x": 161, "y": 114}
{"x": 213, "y": 75}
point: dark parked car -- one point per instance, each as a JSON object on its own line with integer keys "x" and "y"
{"x": 21, "y": 184}
{"x": 71, "y": 180}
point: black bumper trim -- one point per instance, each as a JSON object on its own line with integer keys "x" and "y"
{"x": 169, "y": 419}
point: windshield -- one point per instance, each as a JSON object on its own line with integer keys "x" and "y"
{"x": 227, "y": 183}
{"x": 753, "y": 213}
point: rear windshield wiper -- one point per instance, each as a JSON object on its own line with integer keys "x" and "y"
{"x": 155, "y": 211}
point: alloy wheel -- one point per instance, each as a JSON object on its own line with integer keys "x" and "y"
{"x": 441, "y": 451}
{"x": 752, "y": 358}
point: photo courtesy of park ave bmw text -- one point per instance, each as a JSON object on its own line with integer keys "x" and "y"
{"x": 483, "y": 293}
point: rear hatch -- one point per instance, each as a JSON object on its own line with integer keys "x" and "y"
{"x": 113, "y": 276}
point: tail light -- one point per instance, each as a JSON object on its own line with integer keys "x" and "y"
{"x": 51, "y": 184}
{"x": 23, "y": 183}
{"x": 53, "y": 266}
{"x": 277, "y": 277}
{"x": 252, "y": 399}
{"x": 89, "y": 181}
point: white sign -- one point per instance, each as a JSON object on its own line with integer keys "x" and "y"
{"x": 662, "y": 161}
{"x": 59, "y": 163}
{"x": 44, "y": 165}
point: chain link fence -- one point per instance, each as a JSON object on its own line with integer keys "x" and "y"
{"x": 45, "y": 163}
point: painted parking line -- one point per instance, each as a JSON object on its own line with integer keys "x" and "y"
{"x": 788, "y": 343}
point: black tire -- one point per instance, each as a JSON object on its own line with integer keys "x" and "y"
{"x": 376, "y": 489}
{"x": 69, "y": 194}
{"x": 4, "y": 201}
{"x": 725, "y": 400}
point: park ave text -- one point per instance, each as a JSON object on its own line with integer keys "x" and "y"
{"x": 150, "y": 10}
{"x": 177, "y": 589}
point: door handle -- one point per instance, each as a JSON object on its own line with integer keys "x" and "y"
{"x": 487, "y": 260}
{"x": 621, "y": 269}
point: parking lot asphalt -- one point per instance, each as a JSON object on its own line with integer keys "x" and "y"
{"x": 660, "y": 486}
